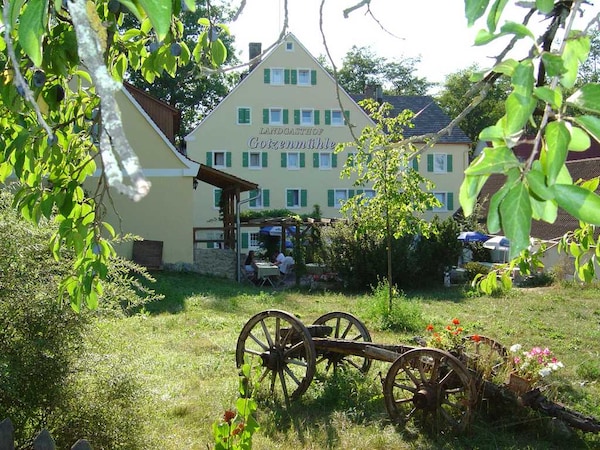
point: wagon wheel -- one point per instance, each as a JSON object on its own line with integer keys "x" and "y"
{"x": 348, "y": 327}
{"x": 431, "y": 388}
{"x": 281, "y": 345}
{"x": 485, "y": 356}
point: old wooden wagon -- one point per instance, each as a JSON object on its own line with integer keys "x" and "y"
{"x": 423, "y": 385}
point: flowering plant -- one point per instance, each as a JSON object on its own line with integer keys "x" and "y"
{"x": 534, "y": 364}
{"x": 448, "y": 338}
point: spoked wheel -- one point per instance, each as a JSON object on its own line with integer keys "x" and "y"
{"x": 279, "y": 343}
{"x": 485, "y": 356}
{"x": 348, "y": 327}
{"x": 431, "y": 388}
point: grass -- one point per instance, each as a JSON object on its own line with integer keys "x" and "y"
{"x": 182, "y": 350}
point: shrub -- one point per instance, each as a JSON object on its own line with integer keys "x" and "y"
{"x": 474, "y": 268}
{"x": 405, "y": 315}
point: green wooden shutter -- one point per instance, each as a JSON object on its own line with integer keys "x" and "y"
{"x": 450, "y": 201}
{"x": 415, "y": 164}
{"x": 286, "y": 76}
{"x": 227, "y": 159}
{"x": 265, "y": 159}
{"x": 267, "y": 76}
{"x": 245, "y": 240}
{"x": 327, "y": 117}
{"x": 294, "y": 76}
{"x": 217, "y": 197}
{"x": 209, "y": 159}
{"x": 350, "y": 193}
{"x": 429, "y": 163}
{"x": 313, "y": 77}
{"x": 265, "y": 115}
{"x": 302, "y": 159}
{"x": 286, "y": 115}
{"x": 360, "y": 191}
{"x": 283, "y": 159}
{"x": 253, "y": 194}
{"x": 315, "y": 160}
{"x": 334, "y": 160}
{"x": 316, "y": 115}
{"x": 330, "y": 198}
{"x": 265, "y": 198}
{"x": 241, "y": 115}
{"x": 303, "y": 197}
{"x": 245, "y": 159}
{"x": 290, "y": 198}
{"x": 296, "y": 117}
{"x": 347, "y": 116}
{"x": 448, "y": 163}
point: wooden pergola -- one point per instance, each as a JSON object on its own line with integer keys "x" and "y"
{"x": 231, "y": 189}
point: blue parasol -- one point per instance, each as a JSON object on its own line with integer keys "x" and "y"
{"x": 472, "y": 236}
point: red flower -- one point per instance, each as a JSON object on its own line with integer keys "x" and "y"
{"x": 238, "y": 429}
{"x": 455, "y": 321}
{"x": 228, "y": 416}
{"x": 476, "y": 338}
{"x": 429, "y": 327}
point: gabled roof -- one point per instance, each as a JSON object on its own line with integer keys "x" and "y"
{"x": 584, "y": 169}
{"x": 430, "y": 118}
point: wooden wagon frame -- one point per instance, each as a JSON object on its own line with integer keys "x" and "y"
{"x": 423, "y": 385}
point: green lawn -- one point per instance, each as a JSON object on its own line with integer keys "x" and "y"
{"x": 182, "y": 352}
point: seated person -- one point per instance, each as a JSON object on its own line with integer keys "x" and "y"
{"x": 286, "y": 265}
{"x": 278, "y": 259}
{"x": 250, "y": 264}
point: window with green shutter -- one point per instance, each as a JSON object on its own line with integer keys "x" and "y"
{"x": 302, "y": 159}
{"x": 266, "y": 116}
{"x": 267, "y": 76}
{"x": 303, "y": 198}
{"x": 283, "y": 159}
{"x": 296, "y": 117}
{"x": 245, "y": 159}
{"x": 294, "y": 74}
{"x": 266, "y": 198}
{"x": 286, "y": 76}
{"x": 316, "y": 157}
{"x": 209, "y": 159}
{"x": 313, "y": 77}
{"x": 245, "y": 240}
{"x": 243, "y": 116}
{"x": 217, "y": 197}
{"x": 228, "y": 159}
{"x": 285, "y": 117}
{"x": 450, "y": 201}
{"x": 334, "y": 160}
{"x": 265, "y": 159}
{"x": 330, "y": 198}
{"x": 327, "y": 117}
{"x": 317, "y": 119}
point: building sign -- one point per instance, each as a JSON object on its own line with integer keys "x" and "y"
{"x": 285, "y": 141}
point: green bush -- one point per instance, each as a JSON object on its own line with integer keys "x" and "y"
{"x": 45, "y": 380}
{"x": 404, "y": 316}
{"x": 474, "y": 268}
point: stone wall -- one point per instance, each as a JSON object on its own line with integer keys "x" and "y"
{"x": 215, "y": 261}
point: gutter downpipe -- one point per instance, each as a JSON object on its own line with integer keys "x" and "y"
{"x": 238, "y": 226}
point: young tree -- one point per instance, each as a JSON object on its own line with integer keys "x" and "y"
{"x": 400, "y": 192}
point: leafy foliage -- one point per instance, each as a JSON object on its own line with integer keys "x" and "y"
{"x": 562, "y": 122}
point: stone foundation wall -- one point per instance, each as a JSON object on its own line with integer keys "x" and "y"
{"x": 215, "y": 261}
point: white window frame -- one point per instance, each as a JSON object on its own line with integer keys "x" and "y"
{"x": 247, "y": 108}
{"x": 305, "y": 82}
{"x": 256, "y": 155}
{"x": 258, "y": 201}
{"x": 440, "y": 158}
{"x": 298, "y": 198}
{"x": 274, "y": 74}
{"x": 254, "y": 240}
{"x": 325, "y": 161}
{"x": 274, "y": 110}
{"x": 288, "y": 161}
{"x": 443, "y": 199}
{"x": 310, "y": 113}
{"x": 335, "y": 120}
{"x": 214, "y": 159}
{"x": 336, "y": 197}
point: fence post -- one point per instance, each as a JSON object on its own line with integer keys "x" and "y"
{"x": 7, "y": 439}
{"x": 44, "y": 441}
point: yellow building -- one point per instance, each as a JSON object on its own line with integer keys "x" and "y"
{"x": 279, "y": 128}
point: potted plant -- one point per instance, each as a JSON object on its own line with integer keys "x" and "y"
{"x": 528, "y": 368}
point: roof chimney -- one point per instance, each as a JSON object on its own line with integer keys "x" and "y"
{"x": 374, "y": 91}
{"x": 254, "y": 52}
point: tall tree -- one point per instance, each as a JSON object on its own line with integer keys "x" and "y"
{"x": 362, "y": 67}
{"x": 192, "y": 90}
{"x": 454, "y": 99}
{"x": 401, "y": 193}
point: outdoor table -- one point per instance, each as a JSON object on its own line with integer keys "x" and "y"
{"x": 265, "y": 272}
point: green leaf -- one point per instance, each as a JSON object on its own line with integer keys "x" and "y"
{"x": 474, "y": 9}
{"x": 218, "y": 52}
{"x": 493, "y": 160}
{"x": 579, "y": 202}
{"x": 159, "y": 13}
{"x": 580, "y": 140}
{"x": 591, "y": 124}
{"x": 551, "y": 96}
{"x": 190, "y": 5}
{"x": 32, "y": 28}
{"x": 575, "y": 51}
{"x": 518, "y": 111}
{"x": 553, "y": 64}
{"x": 586, "y": 98}
{"x": 469, "y": 191}
{"x": 506, "y": 67}
{"x": 484, "y": 37}
{"x": 545, "y": 210}
{"x": 495, "y": 14}
{"x": 517, "y": 29}
{"x": 557, "y": 141}
{"x": 494, "y": 224}
{"x": 537, "y": 183}
{"x": 515, "y": 211}
{"x": 544, "y": 6}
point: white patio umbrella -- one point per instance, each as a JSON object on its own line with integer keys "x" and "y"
{"x": 500, "y": 244}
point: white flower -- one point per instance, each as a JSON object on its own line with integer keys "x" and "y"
{"x": 555, "y": 365}
{"x": 545, "y": 371}
{"x": 515, "y": 348}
